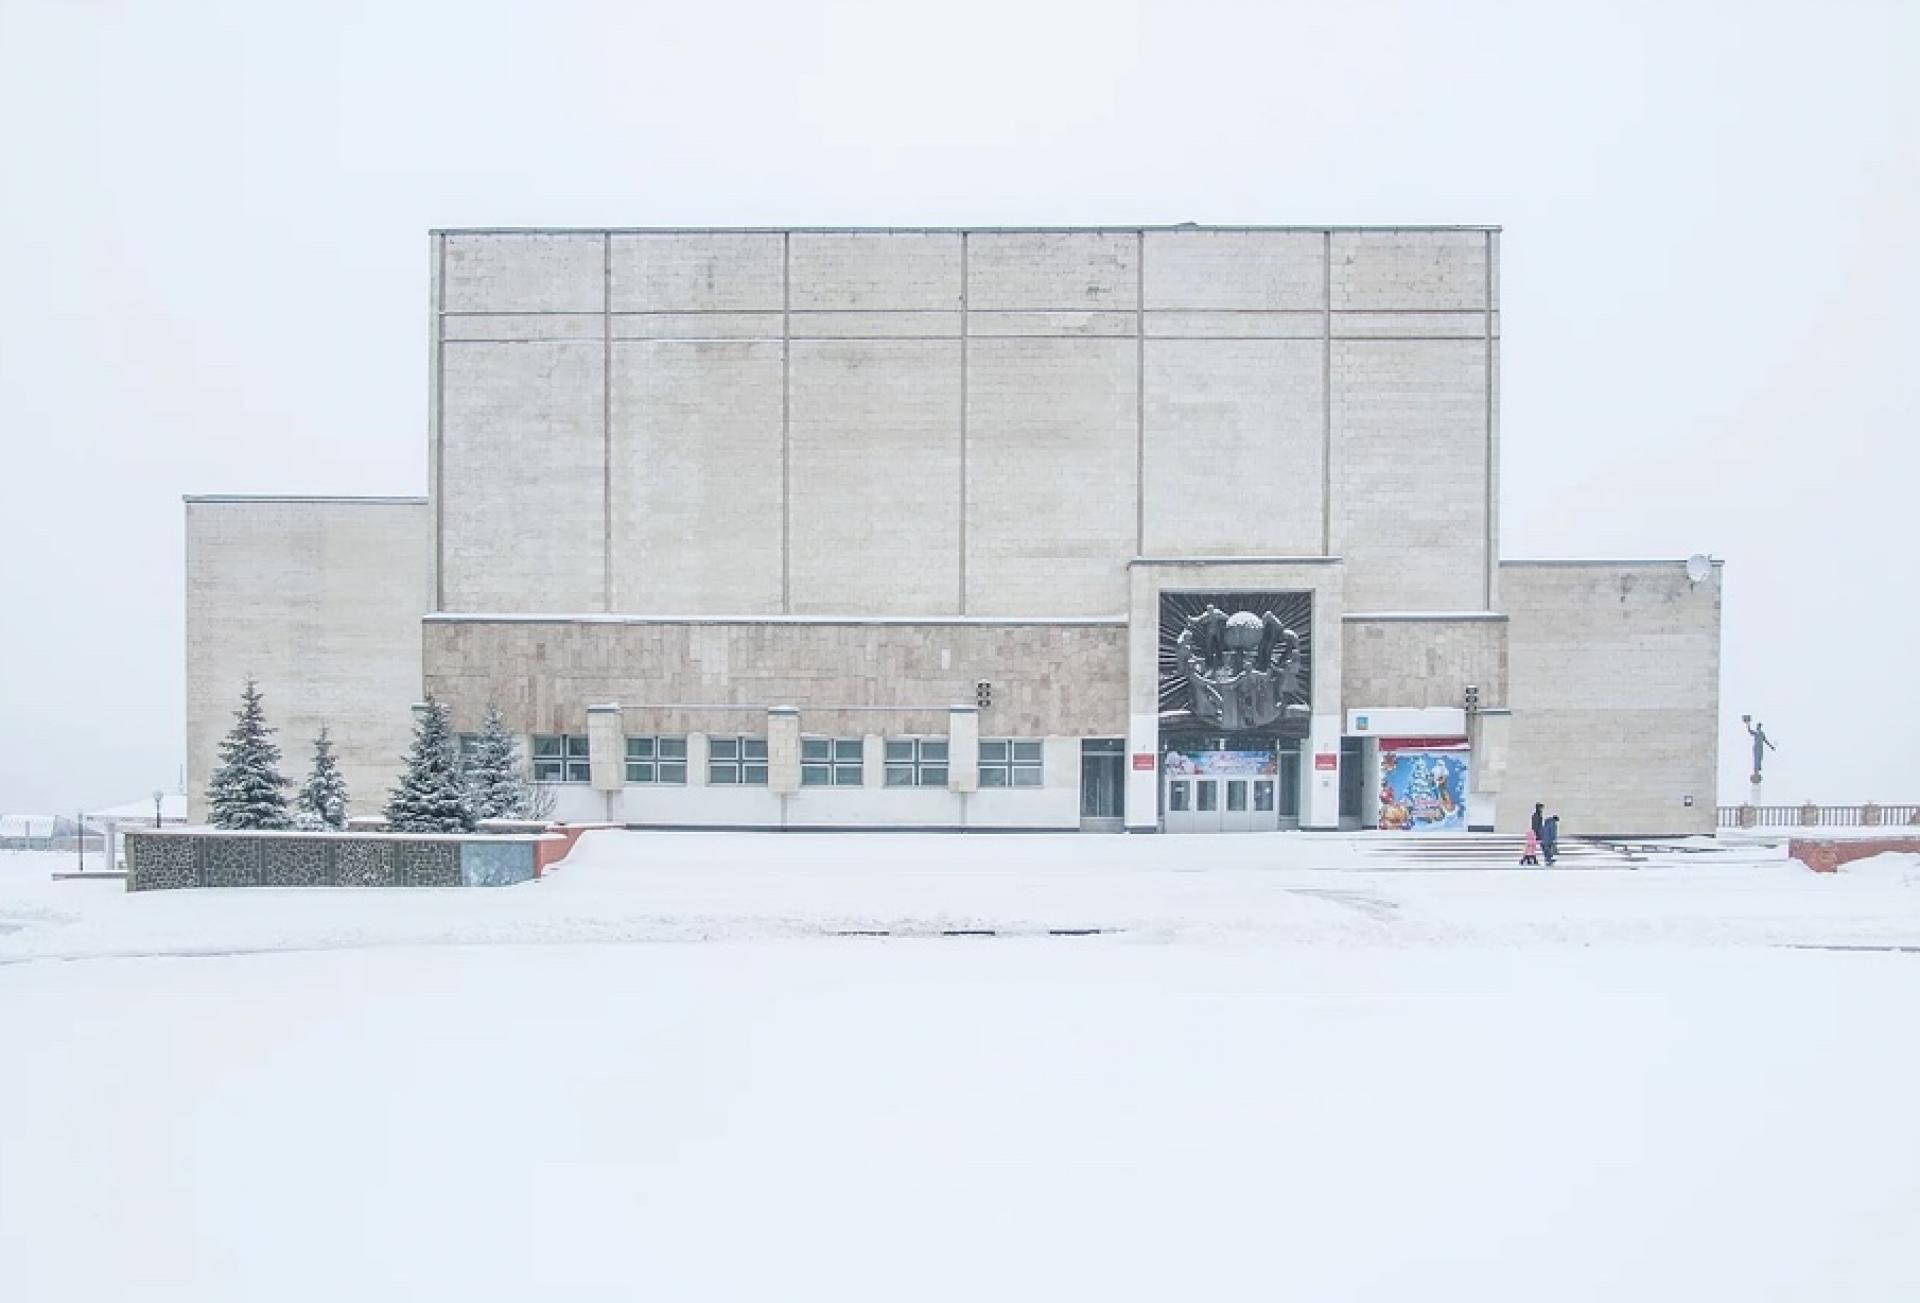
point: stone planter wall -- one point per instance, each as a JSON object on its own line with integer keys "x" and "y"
{"x": 162, "y": 859}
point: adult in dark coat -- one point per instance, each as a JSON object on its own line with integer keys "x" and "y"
{"x": 1550, "y": 838}
{"x": 1540, "y": 820}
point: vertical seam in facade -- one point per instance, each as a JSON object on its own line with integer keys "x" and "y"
{"x": 965, "y": 325}
{"x": 1140, "y": 393}
{"x": 606, "y": 418}
{"x": 786, "y": 431}
{"x": 439, "y": 431}
{"x": 1491, "y": 507}
{"x": 1326, "y": 393}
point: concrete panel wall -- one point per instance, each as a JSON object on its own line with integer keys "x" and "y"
{"x": 697, "y": 477}
{"x": 1615, "y": 690}
{"x": 320, "y": 600}
{"x": 1050, "y": 475}
{"x": 697, "y": 273}
{"x": 1068, "y": 680}
{"x": 1390, "y": 270}
{"x": 905, "y": 356}
{"x": 525, "y": 273}
{"x": 1053, "y": 271}
{"x": 1410, "y": 473}
{"x": 1234, "y": 439}
{"x": 875, "y": 477}
{"x": 1426, "y": 662}
{"x": 1236, "y": 271}
{"x": 522, "y": 476}
{"x": 911, "y": 270}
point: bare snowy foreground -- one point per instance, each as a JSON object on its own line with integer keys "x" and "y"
{"x": 663, "y": 1073}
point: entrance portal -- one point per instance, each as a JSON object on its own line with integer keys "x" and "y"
{"x": 1217, "y": 790}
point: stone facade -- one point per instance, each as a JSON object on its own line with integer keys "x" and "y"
{"x": 802, "y": 484}
{"x": 320, "y": 600}
{"x": 1615, "y": 690}
{"x": 994, "y": 422}
{"x": 847, "y": 678}
{"x": 1424, "y": 660}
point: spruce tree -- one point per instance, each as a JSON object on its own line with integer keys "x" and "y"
{"x": 247, "y": 790}
{"x": 431, "y": 795}
{"x": 494, "y": 782}
{"x": 322, "y": 803}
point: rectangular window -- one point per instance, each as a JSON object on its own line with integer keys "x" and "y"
{"x": 1236, "y": 794}
{"x": 830, "y": 762}
{"x": 659, "y": 761}
{"x": 737, "y": 761}
{"x": 1011, "y": 762}
{"x": 561, "y": 758}
{"x": 1177, "y": 795}
{"x": 916, "y": 762}
{"x": 1206, "y": 792}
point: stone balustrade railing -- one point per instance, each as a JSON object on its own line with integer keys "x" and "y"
{"x": 1813, "y": 815}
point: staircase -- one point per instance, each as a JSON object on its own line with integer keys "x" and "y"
{"x": 1379, "y": 851}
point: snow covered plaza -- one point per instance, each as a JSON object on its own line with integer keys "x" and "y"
{"x": 681, "y": 1068}
{"x": 1168, "y": 528}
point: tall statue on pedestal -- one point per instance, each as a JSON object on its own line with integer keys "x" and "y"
{"x": 1761, "y": 745}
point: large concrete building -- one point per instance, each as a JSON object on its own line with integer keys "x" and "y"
{"x": 1182, "y": 528}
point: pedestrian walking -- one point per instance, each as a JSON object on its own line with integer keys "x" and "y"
{"x": 1531, "y": 856}
{"x": 1550, "y": 838}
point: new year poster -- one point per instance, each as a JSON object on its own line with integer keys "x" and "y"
{"x": 1423, "y": 791}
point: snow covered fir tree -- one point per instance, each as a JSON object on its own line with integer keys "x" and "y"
{"x": 247, "y": 789}
{"x": 495, "y": 782}
{"x": 432, "y": 794}
{"x": 322, "y": 803}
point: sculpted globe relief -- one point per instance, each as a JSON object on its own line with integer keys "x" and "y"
{"x": 1240, "y": 668}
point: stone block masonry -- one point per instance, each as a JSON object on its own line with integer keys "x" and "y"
{"x": 159, "y": 860}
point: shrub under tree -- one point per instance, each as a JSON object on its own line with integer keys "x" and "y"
{"x": 322, "y": 803}
{"x": 432, "y": 794}
{"x": 247, "y": 789}
{"x": 495, "y": 782}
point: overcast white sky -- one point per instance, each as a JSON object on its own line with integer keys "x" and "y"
{"x": 213, "y": 224}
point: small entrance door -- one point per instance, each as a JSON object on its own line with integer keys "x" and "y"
{"x": 1353, "y": 782}
{"x": 1102, "y": 783}
{"x": 1236, "y": 806}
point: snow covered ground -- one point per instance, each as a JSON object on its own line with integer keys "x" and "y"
{"x": 666, "y": 1073}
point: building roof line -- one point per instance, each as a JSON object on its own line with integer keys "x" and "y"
{"x": 599, "y": 617}
{"x": 1604, "y": 561}
{"x": 370, "y": 499}
{"x": 1136, "y": 228}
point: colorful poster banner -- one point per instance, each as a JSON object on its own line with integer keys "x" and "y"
{"x": 1423, "y": 790}
{"x": 1207, "y": 764}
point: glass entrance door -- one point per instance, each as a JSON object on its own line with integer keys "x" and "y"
{"x": 1102, "y": 783}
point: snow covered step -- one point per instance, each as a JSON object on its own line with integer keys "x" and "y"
{"x": 1480, "y": 851}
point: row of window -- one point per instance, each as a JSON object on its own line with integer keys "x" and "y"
{"x": 824, "y": 761}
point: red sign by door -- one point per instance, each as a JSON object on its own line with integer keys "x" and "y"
{"x": 1326, "y": 760}
{"x": 1143, "y": 760}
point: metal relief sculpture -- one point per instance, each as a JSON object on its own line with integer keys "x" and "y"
{"x": 1236, "y": 663}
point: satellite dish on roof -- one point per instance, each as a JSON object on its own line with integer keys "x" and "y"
{"x": 1699, "y": 566}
